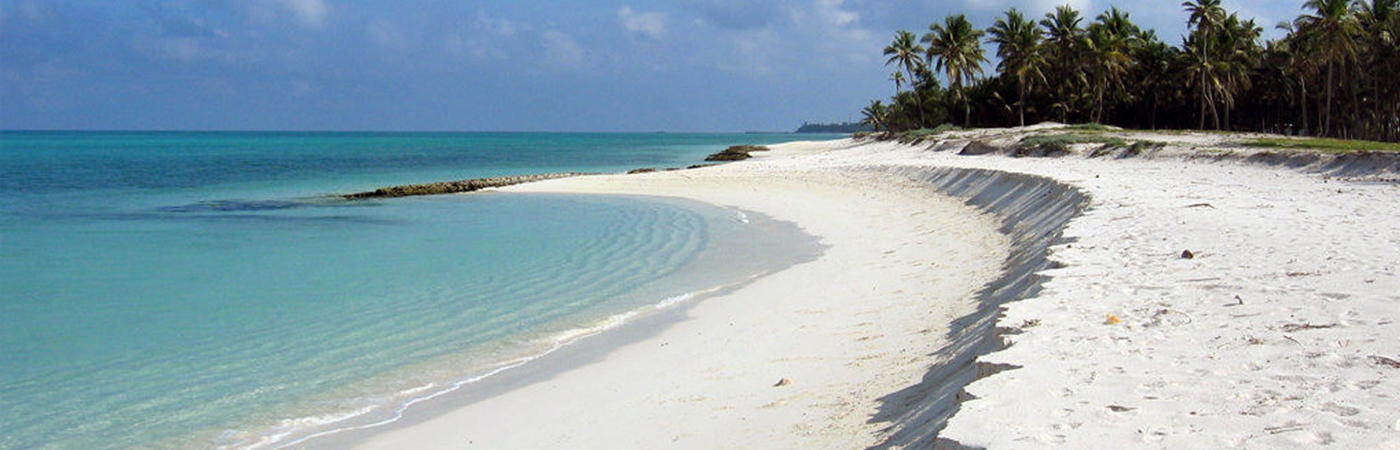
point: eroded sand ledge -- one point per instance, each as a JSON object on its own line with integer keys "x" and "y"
{"x": 1279, "y": 332}
{"x": 876, "y": 340}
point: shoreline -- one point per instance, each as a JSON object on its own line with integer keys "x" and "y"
{"x": 571, "y": 348}
{"x": 791, "y": 345}
{"x": 1117, "y": 338}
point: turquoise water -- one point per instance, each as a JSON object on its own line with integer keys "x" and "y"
{"x": 205, "y": 290}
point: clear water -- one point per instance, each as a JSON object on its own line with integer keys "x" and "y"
{"x": 204, "y": 290}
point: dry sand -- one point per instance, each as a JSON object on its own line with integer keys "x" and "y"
{"x": 901, "y": 262}
{"x": 1280, "y": 332}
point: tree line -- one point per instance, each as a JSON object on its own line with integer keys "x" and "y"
{"x": 1335, "y": 73}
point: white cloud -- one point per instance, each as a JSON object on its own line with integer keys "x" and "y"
{"x": 753, "y": 53}
{"x": 831, "y": 12}
{"x": 1084, "y": 7}
{"x": 651, "y": 24}
{"x": 735, "y": 14}
{"x": 311, "y": 13}
{"x": 185, "y": 49}
{"x": 494, "y": 26}
{"x": 388, "y": 36}
{"x": 32, "y": 11}
{"x": 841, "y": 35}
{"x": 562, "y": 50}
{"x": 486, "y": 37}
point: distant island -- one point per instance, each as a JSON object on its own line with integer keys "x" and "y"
{"x": 847, "y": 127}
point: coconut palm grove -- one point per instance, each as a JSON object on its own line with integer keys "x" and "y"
{"x": 1336, "y": 72}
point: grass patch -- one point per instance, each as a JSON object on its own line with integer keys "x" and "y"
{"x": 919, "y": 135}
{"x": 1326, "y": 145}
{"x": 1058, "y": 144}
{"x": 1066, "y": 140}
{"x": 1136, "y": 148}
{"x": 1091, "y": 127}
{"x": 944, "y": 128}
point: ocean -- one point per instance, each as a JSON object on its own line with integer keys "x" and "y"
{"x": 176, "y": 290}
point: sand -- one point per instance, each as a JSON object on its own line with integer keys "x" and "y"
{"x": 1279, "y": 332}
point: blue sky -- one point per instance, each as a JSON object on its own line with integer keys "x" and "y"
{"x": 573, "y": 65}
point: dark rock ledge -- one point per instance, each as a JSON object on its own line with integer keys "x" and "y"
{"x": 453, "y": 187}
{"x": 736, "y": 153}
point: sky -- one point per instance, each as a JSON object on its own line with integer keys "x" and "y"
{"x": 483, "y": 65}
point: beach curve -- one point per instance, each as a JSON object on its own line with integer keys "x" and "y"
{"x": 1124, "y": 223}
{"x": 798, "y": 358}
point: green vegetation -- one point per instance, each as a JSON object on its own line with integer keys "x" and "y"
{"x": 1324, "y": 144}
{"x": 922, "y": 134}
{"x": 1335, "y": 73}
{"x": 1053, "y": 144}
{"x": 955, "y": 47}
{"x": 1065, "y": 140}
{"x": 1091, "y": 127}
{"x": 833, "y": 128}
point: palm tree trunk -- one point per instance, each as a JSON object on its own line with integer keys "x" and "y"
{"x": 914, "y": 86}
{"x": 1021, "y": 102}
{"x": 1214, "y": 111}
{"x": 1357, "y": 126}
{"x": 1203, "y": 101}
{"x": 1327, "y": 113}
{"x": 1376, "y": 117}
{"x": 1205, "y": 90}
{"x": 1152, "y": 116}
{"x": 967, "y": 113}
{"x": 1303, "y": 100}
{"x": 920, "y": 100}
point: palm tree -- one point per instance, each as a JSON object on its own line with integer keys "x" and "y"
{"x": 956, "y": 48}
{"x": 1202, "y": 75}
{"x": 1064, "y": 47}
{"x": 1297, "y": 65}
{"x": 1111, "y": 39}
{"x": 1380, "y": 22}
{"x": 1118, "y": 23}
{"x": 874, "y": 115}
{"x": 1206, "y": 16}
{"x": 1154, "y": 75}
{"x": 1333, "y": 29}
{"x": 907, "y": 53}
{"x": 1018, "y": 45}
{"x": 1276, "y": 84}
{"x": 1336, "y": 72}
{"x": 1239, "y": 54}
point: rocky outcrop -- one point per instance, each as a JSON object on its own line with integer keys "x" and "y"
{"x": 453, "y": 187}
{"x": 736, "y": 153}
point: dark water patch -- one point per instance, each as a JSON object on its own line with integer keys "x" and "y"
{"x": 215, "y": 217}
{"x": 272, "y": 218}
{"x": 233, "y": 206}
{"x": 241, "y": 205}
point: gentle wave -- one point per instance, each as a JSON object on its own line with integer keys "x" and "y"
{"x": 208, "y": 290}
{"x": 287, "y": 428}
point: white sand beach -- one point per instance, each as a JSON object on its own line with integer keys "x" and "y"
{"x": 1281, "y": 331}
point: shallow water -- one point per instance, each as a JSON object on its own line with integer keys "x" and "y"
{"x": 202, "y": 290}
